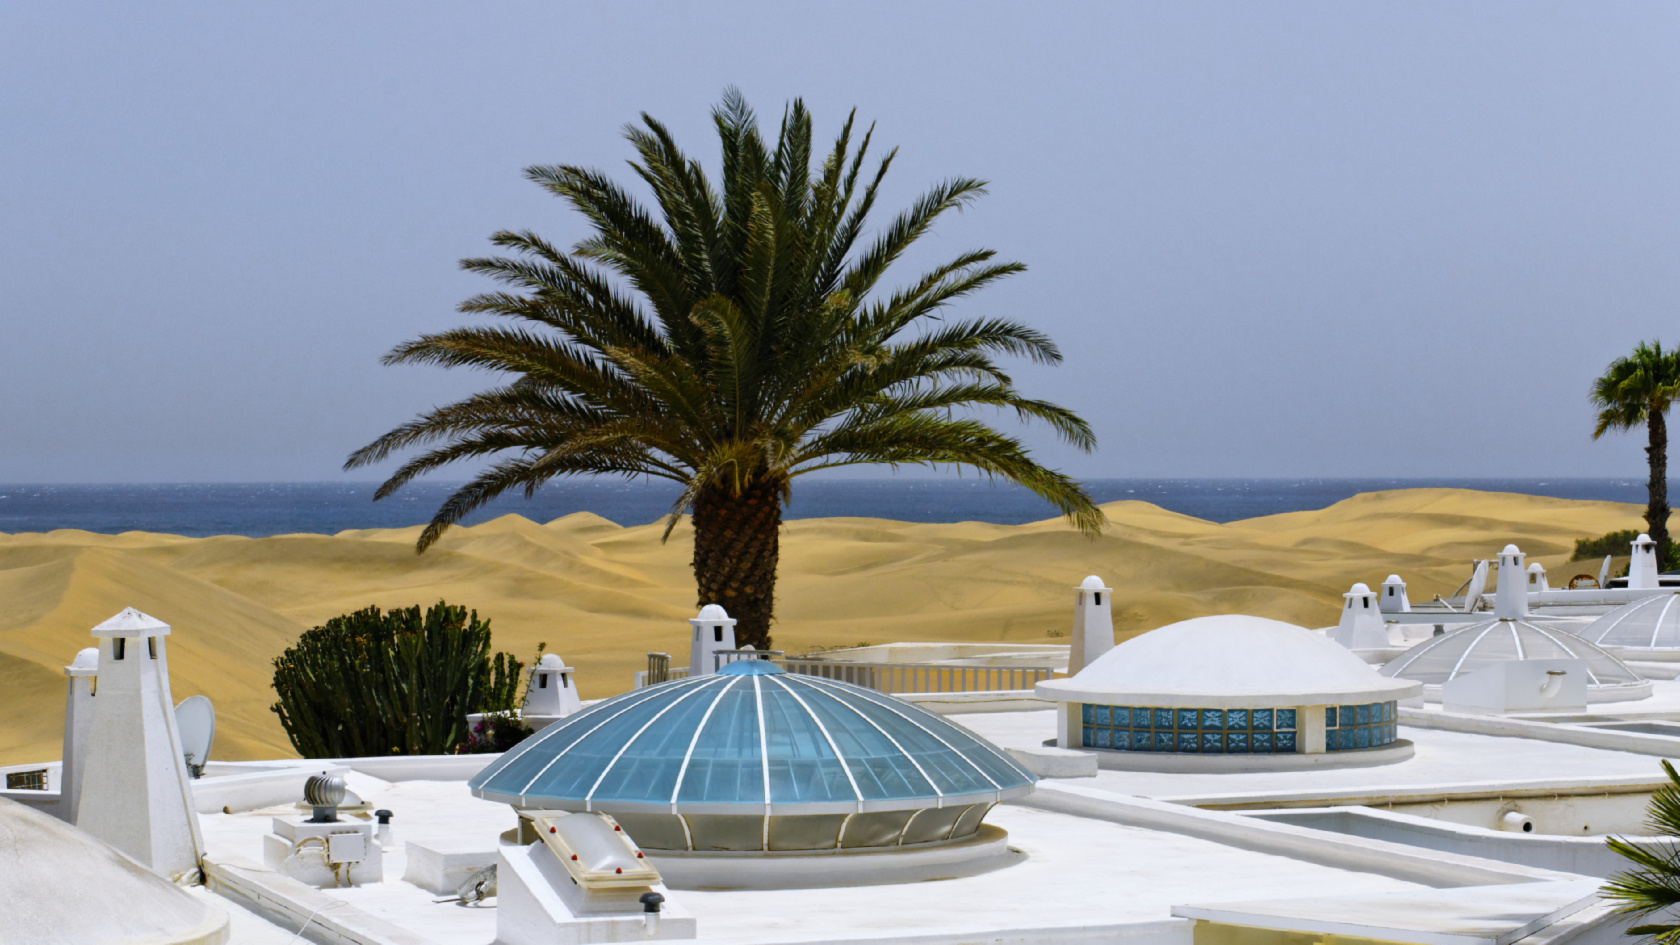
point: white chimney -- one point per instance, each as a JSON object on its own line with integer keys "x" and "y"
{"x": 1394, "y": 600}
{"x": 78, "y": 719}
{"x": 1510, "y": 598}
{"x": 134, "y": 789}
{"x": 1642, "y": 570}
{"x": 549, "y": 693}
{"x": 1093, "y": 623}
{"x": 714, "y": 630}
{"x": 1361, "y": 626}
{"x": 1537, "y": 578}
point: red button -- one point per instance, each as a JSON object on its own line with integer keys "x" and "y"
{"x": 619, "y": 870}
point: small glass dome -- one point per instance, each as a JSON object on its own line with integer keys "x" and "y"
{"x": 753, "y": 758}
{"x": 1479, "y": 645}
{"x": 1639, "y": 630}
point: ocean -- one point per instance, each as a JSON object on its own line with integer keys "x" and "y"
{"x": 261, "y": 509}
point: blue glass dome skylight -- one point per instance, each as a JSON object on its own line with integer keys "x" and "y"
{"x": 752, "y": 739}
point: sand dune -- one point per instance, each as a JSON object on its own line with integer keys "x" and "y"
{"x": 603, "y": 596}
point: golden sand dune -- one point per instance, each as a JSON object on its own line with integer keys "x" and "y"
{"x": 602, "y": 596}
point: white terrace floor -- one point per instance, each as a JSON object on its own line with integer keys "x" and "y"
{"x": 1078, "y": 871}
{"x": 1444, "y": 760}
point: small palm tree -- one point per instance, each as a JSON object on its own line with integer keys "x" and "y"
{"x": 1639, "y": 389}
{"x": 1654, "y": 883}
{"x": 730, "y": 339}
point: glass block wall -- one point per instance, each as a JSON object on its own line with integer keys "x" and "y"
{"x": 1200, "y": 731}
{"x": 1352, "y": 727}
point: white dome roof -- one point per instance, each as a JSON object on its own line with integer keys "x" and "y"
{"x": 60, "y": 885}
{"x": 1652, "y": 623}
{"x": 1479, "y": 645}
{"x": 1233, "y": 660}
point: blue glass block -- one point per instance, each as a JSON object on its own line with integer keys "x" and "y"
{"x": 1333, "y": 739}
{"x": 1387, "y": 711}
{"x": 1362, "y": 715}
{"x": 1392, "y": 732}
{"x": 1236, "y": 742}
{"x": 1089, "y": 739}
{"x": 1330, "y": 717}
{"x": 1141, "y": 717}
{"x": 1236, "y": 720}
{"x": 1101, "y": 714}
{"x": 1393, "y": 711}
{"x": 1105, "y": 737}
{"x": 1350, "y": 716}
{"x": 1163, "y": 718}
{"x": 1087, "y": 713}
{"x": 1187, "y": 719}
{"x": 1213, "y": 743}
{"x": 1262, "y": 741}
{"x": 1362, "y": 737}
{"x": 1188, "y": 741}
{"x": 1285, "y": 742}
{"x": 1285, "y": 720}
{"x": 1164, "y": 741}
{"x": 1212, "y": 719}
{"x": 1262, "y": 720}
{"x": 1122, "y": 739}
{"x": 1122, "y": 717}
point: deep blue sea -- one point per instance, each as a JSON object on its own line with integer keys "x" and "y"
{"x": 259, "y": 509}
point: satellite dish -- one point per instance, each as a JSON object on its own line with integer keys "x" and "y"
{"x": 1478, "y": 584}
{"x": 195, "y": 718}
{"x": 1604, "y": 572}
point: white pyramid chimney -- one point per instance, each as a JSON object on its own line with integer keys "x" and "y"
{"x": 1510, "y": 598}
{"x": 134, "y": 789}
{"x": 1093, "y": 623}
{"x": 1361, "y": 626}
{"x": 1394, "y": 600}
{"x": 1642, "y": 570}
{"x": 714, "y": 630}
{"x": 78, "y": 720}
{"x": 549, "y": 693}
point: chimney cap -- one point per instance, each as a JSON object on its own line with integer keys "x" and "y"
{"x": 132, "y": 623}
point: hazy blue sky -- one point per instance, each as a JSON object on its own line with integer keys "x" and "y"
{"x": 1272, "y": 238}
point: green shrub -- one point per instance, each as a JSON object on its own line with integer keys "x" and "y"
{"x": 398, "y": 683}
{"x": 1615, "y": 543}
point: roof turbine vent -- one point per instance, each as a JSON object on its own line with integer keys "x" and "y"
{"x": 324, "y": 792}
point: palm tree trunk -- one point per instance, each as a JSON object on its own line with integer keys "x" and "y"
{"x": 1656, "y": 509}
{"x": 736, "y": 546}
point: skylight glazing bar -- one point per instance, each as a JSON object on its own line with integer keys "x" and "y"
{"x": 763, "y": 755}
{"x": 1469, "y": 649}
{"x": 884, "y": 734}
{"x": 960, "y": 756}
{"x": 1592, "y": 676}
{"x": 589, "y": 798}
{"x": 1656, "y": 627}
{"x": 630, "y": 704}
{"x": 844, "y": 765}
{"x": 689, "y": 754}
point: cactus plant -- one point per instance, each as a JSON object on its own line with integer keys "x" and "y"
{"x": 393, "y": 683}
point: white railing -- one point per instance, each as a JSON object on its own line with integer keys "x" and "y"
{"x": 922, "y": 677}
{"x": 882, "y": 677}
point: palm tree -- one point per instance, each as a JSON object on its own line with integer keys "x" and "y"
{"x": 731, "y": 340}
{"x": 1639, "y": 389}
{"x": 1653, "y": 885}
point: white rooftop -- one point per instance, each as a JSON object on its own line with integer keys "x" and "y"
{"x": 1228, "y": 661}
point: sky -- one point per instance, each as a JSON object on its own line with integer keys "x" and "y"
{"x": 1272, "y": 239}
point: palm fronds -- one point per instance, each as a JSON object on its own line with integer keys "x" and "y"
{"x": 731, "y": 334}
